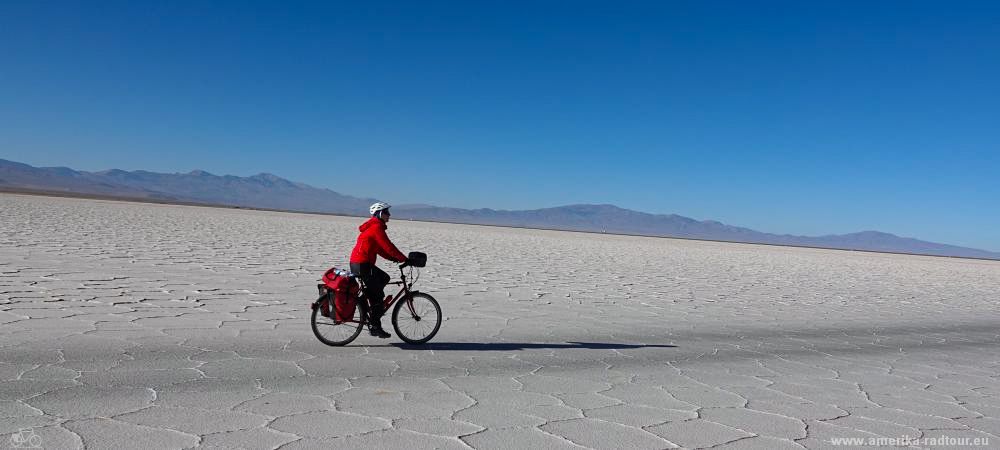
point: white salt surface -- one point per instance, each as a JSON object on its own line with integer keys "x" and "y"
{"x": 154, "y": 326}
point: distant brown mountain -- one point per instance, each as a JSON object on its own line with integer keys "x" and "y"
{"x": 61, "y": 179}
{"x": 273, "y": 192}
{"x": 258, "y": 191}
{"x": 612, "y": 219}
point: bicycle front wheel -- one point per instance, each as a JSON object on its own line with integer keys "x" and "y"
{"x": 416, "y": 318}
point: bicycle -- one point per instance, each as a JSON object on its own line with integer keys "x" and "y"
{"x": 415, "y": 324}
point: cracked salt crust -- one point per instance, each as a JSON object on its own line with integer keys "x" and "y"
{"x": 159, "y": 326}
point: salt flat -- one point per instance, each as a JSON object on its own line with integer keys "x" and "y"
{"x": 156, "y": 326}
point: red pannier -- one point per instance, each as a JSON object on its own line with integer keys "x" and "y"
{"x": 345, "y": 293}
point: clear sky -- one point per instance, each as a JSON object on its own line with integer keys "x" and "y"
{"x": 796, "y": 117}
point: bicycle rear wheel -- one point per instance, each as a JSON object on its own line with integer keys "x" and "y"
{"x": 417, "y": 324}
{"x": 331, "y": 332}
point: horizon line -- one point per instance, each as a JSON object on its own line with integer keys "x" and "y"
{"x": 126, "y": 199}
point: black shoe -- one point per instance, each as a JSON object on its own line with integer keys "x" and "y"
{"x": 379, "y": 333}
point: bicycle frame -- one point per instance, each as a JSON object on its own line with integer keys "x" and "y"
{"x": 404, "y": 291}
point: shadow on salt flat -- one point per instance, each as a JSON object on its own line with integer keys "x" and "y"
{"x": 510, "y": 346}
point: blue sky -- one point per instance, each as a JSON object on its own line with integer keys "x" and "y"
{"x": 788, "y": 117}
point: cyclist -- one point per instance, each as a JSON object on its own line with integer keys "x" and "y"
{"x": 374, "y": 242}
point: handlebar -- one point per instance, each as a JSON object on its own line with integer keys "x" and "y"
{"x": 414, "y": 259}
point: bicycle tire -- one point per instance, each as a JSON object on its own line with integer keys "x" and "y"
{"x": 429, "y": 309}
{"x": 344, "y": 339}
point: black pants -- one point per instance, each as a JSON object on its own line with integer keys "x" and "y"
{"x": 374, "y": 280}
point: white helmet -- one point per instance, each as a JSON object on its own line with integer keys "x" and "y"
{"x": 378, "y": 206}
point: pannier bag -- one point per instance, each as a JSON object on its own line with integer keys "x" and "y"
{"x": 345, "y": 293}
{"x": 324, "y": 304}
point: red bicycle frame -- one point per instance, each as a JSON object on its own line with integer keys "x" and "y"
{"x": 403, "y": 291}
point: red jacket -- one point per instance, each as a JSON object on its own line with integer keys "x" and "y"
{"x": 374, "y": 242}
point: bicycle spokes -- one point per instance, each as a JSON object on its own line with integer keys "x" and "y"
{"x": 419, "y": 320}
{"x": 332, "y": 332}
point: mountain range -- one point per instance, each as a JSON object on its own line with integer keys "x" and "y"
{"x": 267, "y": 191}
